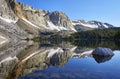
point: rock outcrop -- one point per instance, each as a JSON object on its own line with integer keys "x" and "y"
{"x": 33, "y": 15}
{"x": 12, "y": 32}
{"x": 8, "y": 18}
{"x": 61, "y": 19}
{"x": 6, "y": 9}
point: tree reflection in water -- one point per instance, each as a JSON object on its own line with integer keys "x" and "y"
{"x": 42, "y": 56}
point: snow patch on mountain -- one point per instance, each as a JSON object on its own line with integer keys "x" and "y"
{"x": 91, "y": 24}
{"x": 85, "y": 24}
{"x": 8, "y": 20}
{"x": 51, "y": 26}
{"x": 30, "y": 23}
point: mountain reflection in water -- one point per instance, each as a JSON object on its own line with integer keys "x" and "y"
{"x": 55, "y": 61}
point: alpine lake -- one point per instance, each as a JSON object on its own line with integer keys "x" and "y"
{"x": 59, "y": 60}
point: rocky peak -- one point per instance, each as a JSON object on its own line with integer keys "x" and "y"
{"x": 60, "y": 19}
{"x": 25, "y": 6}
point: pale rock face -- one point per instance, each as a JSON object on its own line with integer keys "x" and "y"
{"x": 25, "y": 7}
{"x": 42, "y": 17}
{"x": 34, "y": 16}
{"x": 61, "y": 19}
{"x": 8, "y": 19}
{"x": 11, "y": 31}
{"x": 6, "y": 11}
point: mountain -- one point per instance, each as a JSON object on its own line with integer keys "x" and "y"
{"x": 42, "y": 19}
{"x": 47, "y": 21}
{"x": 21, "y": 21}
{"x": 89, "y": 25}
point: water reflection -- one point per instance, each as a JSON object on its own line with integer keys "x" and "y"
{"x": 102, "y": 59}
{"x": 114, "y": 45}
{"x": 25, "y": 61}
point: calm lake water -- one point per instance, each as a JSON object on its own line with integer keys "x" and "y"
{"x": 59, "y": 61}
{"x": 81, "y": 68}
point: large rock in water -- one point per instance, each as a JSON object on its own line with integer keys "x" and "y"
{"x": 102, "y": 52}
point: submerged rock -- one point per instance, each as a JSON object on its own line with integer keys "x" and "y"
{"x": 102, "y": 52}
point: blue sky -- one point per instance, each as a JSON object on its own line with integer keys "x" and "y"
{"x": 100, "y": 10}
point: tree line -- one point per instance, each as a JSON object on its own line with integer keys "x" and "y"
{"x": 98, "y": 34}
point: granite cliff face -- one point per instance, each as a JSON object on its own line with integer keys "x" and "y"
{"x": 6, "y": 9}
{"x": 48, "y": 20}
{"x": 60, "y": 19}
{"x": 8, "y": 27}
{"x": 34, "y": 16}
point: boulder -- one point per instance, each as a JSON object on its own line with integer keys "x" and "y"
{"x": 100, "y": 51}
